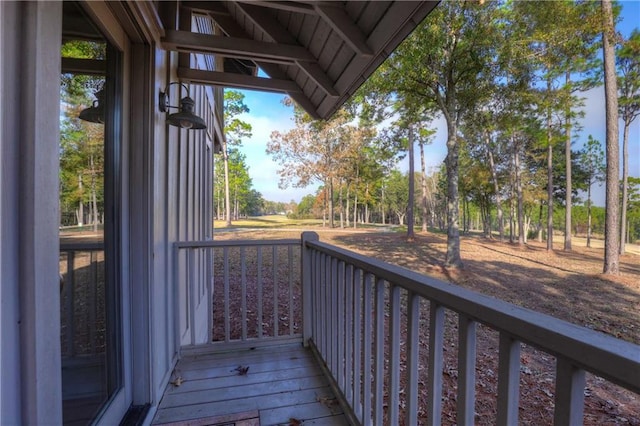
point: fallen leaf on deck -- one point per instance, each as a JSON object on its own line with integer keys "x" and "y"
{"x": 242, "y": 371}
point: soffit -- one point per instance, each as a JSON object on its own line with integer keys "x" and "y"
{"x": 319, "y": 53}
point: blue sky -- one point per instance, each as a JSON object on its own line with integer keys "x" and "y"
{"x": 267, "y": 113}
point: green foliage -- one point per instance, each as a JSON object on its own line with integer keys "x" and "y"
{"x": 628, "y": 64}
{"x": 235, "y": 129}
{"x": 81, "y": 143}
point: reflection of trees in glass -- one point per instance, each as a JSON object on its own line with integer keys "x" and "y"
{"x": 81, "y": 142}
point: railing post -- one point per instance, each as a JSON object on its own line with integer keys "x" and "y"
{"x": 307, "y": 296}
{"x": 570, "y": 382}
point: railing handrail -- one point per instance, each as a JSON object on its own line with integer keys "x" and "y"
{"x": 613, "y": 359}
{"x": 235, "y": 243}
{"x": 81, "y": 246}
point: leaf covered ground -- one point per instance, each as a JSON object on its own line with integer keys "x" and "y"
{"x": 567, "y": 285}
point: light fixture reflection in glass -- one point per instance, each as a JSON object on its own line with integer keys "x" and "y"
{"x": 95, "y": 113}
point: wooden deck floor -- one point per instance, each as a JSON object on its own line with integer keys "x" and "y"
{"x": 282, "y": 386}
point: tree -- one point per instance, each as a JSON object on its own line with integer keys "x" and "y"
{"x": 234, "y": 129}
{"x": 628, "y": 61}
{"x": 313, "y": 151}
{"x": 81, "y": 143}
{"x": 612, "y": 226}
{"x": 397, "y": 194}
{"x": 442, "y": 62}
{"x": 591, "y": 160}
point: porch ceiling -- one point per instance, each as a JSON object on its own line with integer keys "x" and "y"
{"x": 319, "y": 53}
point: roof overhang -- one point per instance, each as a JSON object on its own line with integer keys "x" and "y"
{"x": 319, "y": 53}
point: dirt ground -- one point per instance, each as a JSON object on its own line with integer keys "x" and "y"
{"x": 567, "y": 285}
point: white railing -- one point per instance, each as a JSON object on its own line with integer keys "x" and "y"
{"x": 363, "y": 319}
{"x": 82, "y": 299}
{"x": 250, "y": 297}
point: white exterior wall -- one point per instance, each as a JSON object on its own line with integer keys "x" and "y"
{"x": 166, "y": 197}
{"x": 30, "y": 389}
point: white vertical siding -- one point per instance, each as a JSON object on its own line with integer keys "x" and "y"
{"x": 31, "y": 382}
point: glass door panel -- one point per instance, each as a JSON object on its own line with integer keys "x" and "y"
{"x": 89, "y": 258}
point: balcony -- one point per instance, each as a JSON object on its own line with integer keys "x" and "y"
{"x": 299, "y": 331}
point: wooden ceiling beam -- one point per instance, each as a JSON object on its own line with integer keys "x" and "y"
{"x": 238, "y": 81}
{"x": 337, "y": 18}
{"x": 83, "y": 66}
{"x": 211, "y": 7}
{"x": 229, "y": 26}
{"x": 186, "y": 41}
{"x": 276, "y": 32}
{"x": 287, "y": 6}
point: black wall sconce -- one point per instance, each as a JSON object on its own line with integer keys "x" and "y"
{"x": 95, "y": 113}
{"x": 184, "y": 118}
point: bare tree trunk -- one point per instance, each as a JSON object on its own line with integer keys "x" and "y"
{"x": 453, "y": 258}
{"x": 520, "y": 198}
{"x": 423, "y": 184}
{"x": 496, "y": 187}
{"x": 366, "y": 205}
{"x": 567, "y": 151}
{"x": 94, "y": 200}
{"x": 625, "y": 187}
{"x": 549, "y": 179}
{"x": 331, "y": 211}
{"x": 341, "y": 203}
{"x": 346, "y": 216}
{"x": 227, "y": 195}
{"x": 382, "y": 207}
{"x": 81, "y": 204}
{"x": 540, "y": 222}
{"x": 355, "y": 209}
{"x": 612, "y": 217}
{"x": 589, "y": 215}
{"x": 412, "y": 190}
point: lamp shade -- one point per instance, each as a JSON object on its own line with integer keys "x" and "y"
{"x": 186, "y": 118}
{"x": 95, "y": 113}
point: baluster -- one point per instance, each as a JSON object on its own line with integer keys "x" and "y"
{"x": 276, "y": 318}
{"x": 436, "y": 339}
{"x": 413, "y": 348}
{"x": 191, "y": 280}
{"x": 357, "y": 343}
{"x": 243, "y": 291}
{"x": 340, "y": 332}
{"x": 570, "y": 382}
{"x": 69, "y": 290}
{"x": 290, "y": 269}
{"x": 379, "y": 352}
{"x": 324, "y": 320}
{"x": 508, "y": 380}
{"x": 394, "y": 361}
{"x": 227, "y": 325}
{"x": 348, "y": 371}
{"x": 466, "y": 370}
{"x": 333, "y": 337}
{"x": 93, "y": 299}
{"x": 260, "y": 285}
{"x": 366, "y": 376}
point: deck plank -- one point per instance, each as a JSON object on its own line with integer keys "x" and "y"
{"x": 230, "y": 370}
{"x": 262, "y": 402}
{"x": 318, "y": 412}
{"x": 235, "y": 391}
{"x": 252, "y": 377}
{"x": 283, "y": 383}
